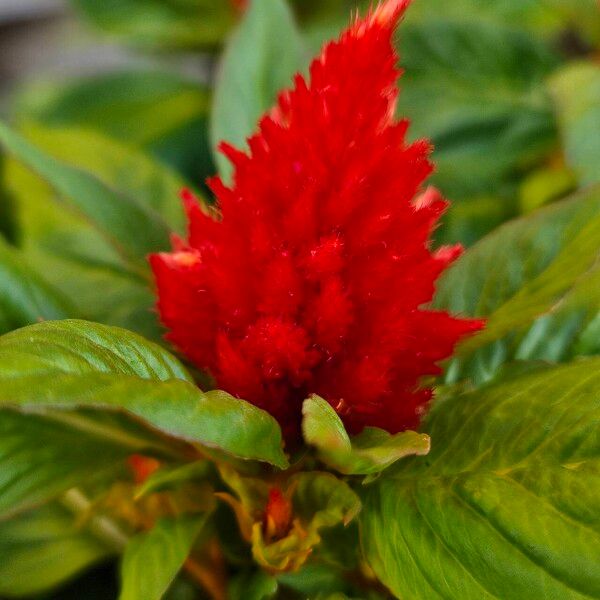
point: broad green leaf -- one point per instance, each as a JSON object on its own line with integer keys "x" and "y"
{"x": 119, "y": 166}
{"x": 153, "y": 559}
{"x": 43, "y": 548}
{"x": 476, "y": 89}
{"x": 588, "y": 342}
{"x": 368, "y": 453}
{"x": 166, "y": 24}
{"x": 506, "y": 505}
{"x": 175, "y": 408}
{"x": 470, "y": 219}
{"x": 545, "y": 185}
{"x": 536, "y": 279}
{"x": 256, "y": 585}
{"x": 70, "y": 365}
{"x": 45, "y": 454}
{"x": 314, "y": 579}
{"x": 322, "y": 500}
{"x": 73, "y": 347}
{"x": 162, "y": 113}
{"x": 576, "y": 92}
{"x": 181, "y": 589}
{"x": 259, "y": 61}
{"x": 319, "y": 581}
{"x": 536, "y": 18}
{"x": 134, "y": 229}
{"x": 76, "y": 260}
{"x": 25, "y": 298}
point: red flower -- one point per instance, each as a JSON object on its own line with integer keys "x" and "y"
{"x": 278, "y": 514}
{"x": 311, "y": 276}
{"x": 142, "y": 467}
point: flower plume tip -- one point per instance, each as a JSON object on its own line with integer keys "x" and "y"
{"x": 389, "y": 12}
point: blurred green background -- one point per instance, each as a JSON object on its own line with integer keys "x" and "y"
{"x": 138, "y": 92}
{"x": 508, "y": 91}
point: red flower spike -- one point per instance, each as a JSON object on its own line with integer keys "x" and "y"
{"x": 312, "y": 276}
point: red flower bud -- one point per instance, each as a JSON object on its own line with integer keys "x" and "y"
{"x": 142, "y": 467}
{"x": 278, "y": 515}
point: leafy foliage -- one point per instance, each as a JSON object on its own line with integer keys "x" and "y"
{"x": 106, "y": 368}
{"x": 42, "y": 548}
{"x": 43, "y": 455}
{"x": 367, "y": 453}
{"x": 502, "y": 507}
{"x": 76, "y": 260}
{"x": 112, "y": 212}
{"x": 154, "y": 111}
{"x": 260, "y": 60}
{"x": 491, "y": 113}
{"x": 25, "y": 297}
{"x": 576, "y": 90}
{"x": 168, "y": 24}
{"x": 536, "y": 279}
{"x": 152, "y": 560}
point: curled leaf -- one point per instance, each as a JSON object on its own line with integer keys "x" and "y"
{"x": 368, "y": 453}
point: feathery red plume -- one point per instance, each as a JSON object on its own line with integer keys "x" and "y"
{"x": 312, "y": 276}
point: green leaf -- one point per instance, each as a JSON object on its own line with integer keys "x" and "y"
{"x": 160, "y": 112}
{"x": 259, "y": 61}
{"x": 322, "y": 500}
{"x": 506, "y": 505}
{"x": 119, "y": 166}
{"x": 166, "y": 24}
{"x": 476, "y": 89}
{"x": 76, "y": 260}
{"x": 470, "y": 219}
{"x": 47, "y": 452}
{"x": 153, "y": 559}
{"x": 370, "y": 452}
{"x": 43, "y": 455}
{"x": 537, "y": 18}
{"x": 256, "y": 585}
{"x": 43, "y": 548}
{"x": 134, "y": 229}
{"x": 75, "y": 364}
{"x": 25, "y": 298}
{"x": 79, "y": 347}
{"x": 545, "y": 185}
{"x": 169, "y": 476}
{"x": 313, "y": 579}
{"x": 535, "y": 279}
{"x": 181, "y": 589}
{"x": 175, "y": 408}
{"x": 576, "y": 92}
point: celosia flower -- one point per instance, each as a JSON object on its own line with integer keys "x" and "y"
{"x": 312, "y": 275}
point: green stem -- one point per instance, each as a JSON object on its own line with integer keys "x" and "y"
{"x": 104, "y": 528}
